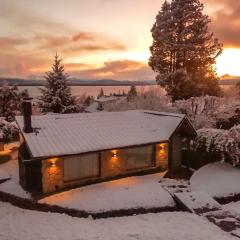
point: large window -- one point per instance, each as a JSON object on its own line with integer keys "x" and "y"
{"x": 139, "y": 157}
{"x": 82, "y": 166}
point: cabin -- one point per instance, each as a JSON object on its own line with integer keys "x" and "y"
{"x": 60, "y": 151}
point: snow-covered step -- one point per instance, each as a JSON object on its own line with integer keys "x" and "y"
{"x": 197, "y": 202}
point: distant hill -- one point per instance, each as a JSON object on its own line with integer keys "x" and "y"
{"x": 79, "y": 82}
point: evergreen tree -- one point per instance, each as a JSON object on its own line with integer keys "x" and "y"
{"x": 10, "y": 99}
{"x": 184, "y": 51}
{"x": 132, "y": 93}
{"x": 56, "y": 96}
{"x": 101, "y": 94}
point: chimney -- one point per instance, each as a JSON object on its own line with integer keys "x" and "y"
{"x": 27, "y": 113}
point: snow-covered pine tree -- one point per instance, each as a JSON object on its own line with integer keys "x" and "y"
{"x": 10, "y": 99}
{"x": 56, "y": 96}
{"x": 184, "y": 50}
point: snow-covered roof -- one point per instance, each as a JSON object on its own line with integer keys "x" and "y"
{"x": 106, "y": 99}
{"x": 93, "y": 107}
{"x": 66, "y": 134}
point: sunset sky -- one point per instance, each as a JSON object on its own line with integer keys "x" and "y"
{"x": 98, "y": 38}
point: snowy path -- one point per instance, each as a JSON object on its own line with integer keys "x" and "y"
{"x": 21, "y": 224}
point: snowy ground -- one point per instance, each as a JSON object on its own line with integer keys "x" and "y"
{"x": 21, "y": 224}
{"x": 216, "y": 179}
{"x": 126, "y": 193}
{"x": 12, "y": 186}
{"x": 233, "y": 206}
{"x": 10, "y": 149}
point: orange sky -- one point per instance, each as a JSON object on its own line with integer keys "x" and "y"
{"x": 97, "y": 38}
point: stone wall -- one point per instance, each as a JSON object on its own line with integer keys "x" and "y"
{"x": 112, "y": 163}
{"x": 52, "y": 174}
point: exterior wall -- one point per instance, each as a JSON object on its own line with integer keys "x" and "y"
{"x": 52, "y": 174}
{"x": 161, "y": 155}
{"x": 112, "y": 163}
{"x": 176, "y": 155}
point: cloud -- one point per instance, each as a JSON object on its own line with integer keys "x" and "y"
{"x": 119, "y": 70}
{"x": 226, "y": 21}
{"x": 10, "y": 45}
{"x": 21, "y": 56}
{"x": 20, "y": 16}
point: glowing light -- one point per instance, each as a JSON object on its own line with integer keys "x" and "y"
{"x": 229, "y": 62}
{"x": 114, "y": 153}
{"x": 53, "y": 162}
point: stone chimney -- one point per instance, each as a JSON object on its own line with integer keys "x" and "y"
{"x": 27, "y": 113}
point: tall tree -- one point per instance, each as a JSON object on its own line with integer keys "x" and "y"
{"x": 184, "y": 50}
{"x": 10, "y": 98}
{"x": 101, "y": 93}
{"x": 132, "y": 93}
{"x": 56, "y": 96}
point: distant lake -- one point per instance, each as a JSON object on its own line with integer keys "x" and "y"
{"x": 89, "y": 90}
{"x": 94, "y": 90}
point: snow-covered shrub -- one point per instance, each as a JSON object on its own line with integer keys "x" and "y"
{"x": 230, "y": 119}
{"x": 8, "y": 131}
{"x": 200, "y": 110}
{"x": 224, "y": 144}
{"x": 151, "y": 99}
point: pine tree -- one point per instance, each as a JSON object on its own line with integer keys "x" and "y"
{"x": 184, "y": 50}
{"x": 132, "y": 93}
{"x": 101, "y": 94}
{"x": 10, "y": 99}
{"x": 56, "y": 96}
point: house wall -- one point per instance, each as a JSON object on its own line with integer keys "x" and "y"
{"x": 52, "y": 174}
{"x": 176, "y": 152}
{"x": 112, "y": 163}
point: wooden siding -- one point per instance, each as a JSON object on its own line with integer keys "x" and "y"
{"x": 176, "y": 152}
{"x": 80, "y": 167}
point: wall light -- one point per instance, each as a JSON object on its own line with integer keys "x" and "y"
{"x": 53, "y": 162}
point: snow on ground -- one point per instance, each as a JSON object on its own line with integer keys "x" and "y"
{"x": 216, "y": 179}
{"x": 18, "y": 224}
{"x": 10, "y": 149}
{"x": 4, "y": 174}
{"x": 233, "y": 206}
{"x": 12, "y": 186}
{"x": 196, "y": 201}
{"x": 126, "y": 193}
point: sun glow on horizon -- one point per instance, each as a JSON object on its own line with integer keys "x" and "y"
{"x": 229, "y": 62}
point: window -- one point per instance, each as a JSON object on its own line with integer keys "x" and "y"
{"x": 139, "y": 157}
{"x": 81, "y": 166}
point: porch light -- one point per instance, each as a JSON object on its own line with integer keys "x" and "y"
{"x": 114, "y": 154}
{"x": 53, "y": 162}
